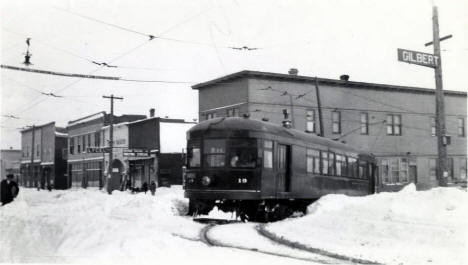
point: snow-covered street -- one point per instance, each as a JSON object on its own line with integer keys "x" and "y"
{"x": 84, "y": 226}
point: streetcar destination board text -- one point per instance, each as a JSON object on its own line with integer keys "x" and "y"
{"x": 420, "y": 58}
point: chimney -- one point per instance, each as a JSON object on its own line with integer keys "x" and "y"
{"x": 293, "y": 71}
{"x": 151, "y": 114}
{"x": 344, "y": 77}
{"x": 286, "y": 122}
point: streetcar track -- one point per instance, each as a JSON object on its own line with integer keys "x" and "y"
{"x": 296, "y": 245}
{"x": 211, "y": 242}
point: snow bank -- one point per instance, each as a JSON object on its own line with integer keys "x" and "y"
{"x": 408, "y": 227}
{"x": 90, "y": 226}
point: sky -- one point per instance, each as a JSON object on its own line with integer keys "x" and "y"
{"x": 192, "y": 45}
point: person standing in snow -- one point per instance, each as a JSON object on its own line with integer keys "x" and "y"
{"x": 8, "y": 189}
{"x": 153, "y": 187}
{"x": 144, "y": 187}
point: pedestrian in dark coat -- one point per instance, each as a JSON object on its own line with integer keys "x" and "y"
{"x": 144, "y": 187}
{"x": 8, "y": 189}
{"x": 153, "y": 187}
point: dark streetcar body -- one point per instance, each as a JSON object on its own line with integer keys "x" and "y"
{"x": 265, "y": 172}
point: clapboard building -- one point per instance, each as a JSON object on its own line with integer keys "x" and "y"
{"x": 396, "y": 123}
{"x": 43, "y": 156}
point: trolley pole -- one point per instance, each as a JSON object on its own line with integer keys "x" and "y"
{"x": 442, "y": 173}
{"x": 111, "y": 140}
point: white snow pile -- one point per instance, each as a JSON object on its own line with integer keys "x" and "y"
{"x": 89, "y": 226}
{"x": 407, "y": 227}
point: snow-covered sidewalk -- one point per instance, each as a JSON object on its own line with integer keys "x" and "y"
{"x": 408, "y": 227}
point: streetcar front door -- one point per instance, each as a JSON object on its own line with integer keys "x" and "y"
{"x": 283, "y": 182}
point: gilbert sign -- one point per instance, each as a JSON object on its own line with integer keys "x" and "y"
{"x": 420, "y": 58}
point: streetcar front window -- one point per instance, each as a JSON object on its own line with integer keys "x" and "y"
{"x": 215, "y": 152}
{"x": 242, "y": 153}
{"x": 194, "y": 154}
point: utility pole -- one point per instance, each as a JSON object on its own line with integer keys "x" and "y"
{"x": 317, "y": 92}
{"x": 31, "y": 168}
{"x": 111, "y": 139}
{"x": 442, "y": 173}
{"x": 434, "y": 61}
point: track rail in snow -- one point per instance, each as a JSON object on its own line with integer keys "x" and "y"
{"x": 205, "y": 238}
{"x": 296, "y": 245}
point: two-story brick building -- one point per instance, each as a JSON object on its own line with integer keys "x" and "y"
{"x": 396, "y": 123}
{"x": 43, "y": 156}
{"x": 86, "y": 169}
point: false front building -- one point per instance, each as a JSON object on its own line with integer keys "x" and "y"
{"x": 148, "y": 150}
{"x": 395, "y": 123}
{"x": 43, "y": 156}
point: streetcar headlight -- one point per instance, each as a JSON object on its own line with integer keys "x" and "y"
{"x": 206, "y": 181}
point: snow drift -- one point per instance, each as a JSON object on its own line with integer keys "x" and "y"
{"x": 407, "y": 227}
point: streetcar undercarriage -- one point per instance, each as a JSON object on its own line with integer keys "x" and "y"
{"x": 251, "y": 210}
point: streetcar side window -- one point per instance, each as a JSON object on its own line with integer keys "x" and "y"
{"x": 331, "y": 163}
{"x": 215, "y": 152}
{"x": 352, "y": 166}
{"x": 268, "y": 154}
{"x": 339, "y": 164}
{"x": 194, "y": 154}
{"x": 325, "y": 163}
{"x": 313, "y": 161}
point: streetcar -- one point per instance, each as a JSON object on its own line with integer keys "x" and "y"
{"x": 265, "y": 172}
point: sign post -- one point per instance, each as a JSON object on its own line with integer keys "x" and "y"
{"x": 434, "y": 61}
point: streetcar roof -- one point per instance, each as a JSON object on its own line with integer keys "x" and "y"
{"x": 247, "y": 124}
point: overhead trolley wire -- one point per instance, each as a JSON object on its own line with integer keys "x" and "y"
{"x": 116, "y": 58}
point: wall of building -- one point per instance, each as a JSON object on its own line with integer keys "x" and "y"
{"x": 230, "y": 94}
{"x": 416, "y": 147}
{"x": 9, "y": 162}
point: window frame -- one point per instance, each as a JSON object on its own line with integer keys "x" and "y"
{"x": 310, "y": 120}
{"x": 206, "y": 154}
{"x": 267, "y": 150}
{"x": 461, "y": 127}
{"x": 433, "y": 126}
{"x": 336, "y": 122}
{"x": 392, "y": 124}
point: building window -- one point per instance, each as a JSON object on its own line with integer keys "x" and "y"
{"x": 83, "y": 142}
{"x": 364, "y": 123}
{"x": 463, "y": 168}
{"x": 268, "y": 154}
{"x": 461, "y": 127}
{"x": 38, "y": 150}
{"x": 234, "y": 112}
{"x": 97, "y": 139}
{"x": 313, "y": 161}
{"x": 395, "y": 170}
{"x": 310, "y": 121}
{"x": 433, "y": 126}
{"x": 433, "y": 168}
{"x": 336, "y": 122}
{"x": 210, "y": 116}
{"x": 393, "y": 124}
